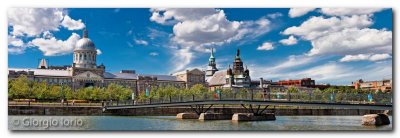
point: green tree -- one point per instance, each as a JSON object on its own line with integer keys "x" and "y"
{"x": 112, "y": 91}
{"x": 20, "y": 88}
{"x": 330, "y": 90}
{"x": 117, "y": 92}
{"x": 142, "y": 97}
{"x": 124, "y": 93}
{"x": 154, "y": 94}
{"x": 197, "y": 90}
{"x": 54, "y": 92}
{"x": 98, "y": 94}
{"x": 184, "y": 93}
{"x": 83, "y": 93}
{"x": 69, "y": 94}
{"x": 39, "y": 90}
{"x": 171, "y": 91}
{"x": 243, "y": 93}
{"x": 293, "y": 89}
{"x": 226, "y": 93}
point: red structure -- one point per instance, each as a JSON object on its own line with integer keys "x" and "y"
{"x": 305, "y": 82}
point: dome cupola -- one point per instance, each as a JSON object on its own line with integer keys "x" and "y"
{"x": 85, "y": 43}
{"x": 85, "y": 52}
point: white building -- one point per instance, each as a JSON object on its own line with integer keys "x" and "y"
{"x": 84, "y": 72}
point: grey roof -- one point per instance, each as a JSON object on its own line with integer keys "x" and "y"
{"x": 218, "y": 78}
{"x": 185, "y": 71}
{"x": 46, "y": 72}
{"x": 109, "y": 75}
{"x": 161, "y": 77}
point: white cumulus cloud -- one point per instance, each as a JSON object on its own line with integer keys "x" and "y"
{"x": 289, "y": 41}
{"x": 37, "y": 25}
{"x": 266, "y": 46}
{"x": 297, "y": 12}
{"x": 365, "y": 57}
{"x": 347, "y": 35}
{"x": 379, "y": 57}
{"x": 353, "y": 41}
{"x": 196, "y": 30}
{"x": 174, "y": 15}
{"x": 349, "y": 11}
{"x": 297, "y": 67}
{"x": 209, "y": 30}
{"x": 206, "y": 27}
{"x": 319, "y": 26}
{"x": 72, "y": 24}
{"x": 53, "y": 47}
{"x": 16, "y": 45}
{"x": 99, "y": 52}
{"x": 34, "y": 21}
{"x": 358, "y": 57}
{"x": 14, "y": 41}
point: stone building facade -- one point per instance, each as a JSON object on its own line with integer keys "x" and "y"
{"x": 382, "y": 85}
{"x": 84, "y": 72}
{"x": 191, "y": 77}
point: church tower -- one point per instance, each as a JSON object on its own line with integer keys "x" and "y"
{"x": 238, "y": 64}
{"x": 85, "y": 52}
{"x": 212, "y": 66}
{"x": 239, "y": 76}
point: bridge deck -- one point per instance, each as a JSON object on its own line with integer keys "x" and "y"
{"x": 238, "y": 102}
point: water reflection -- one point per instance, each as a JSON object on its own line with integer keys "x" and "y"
{"x": 170, "y": 123}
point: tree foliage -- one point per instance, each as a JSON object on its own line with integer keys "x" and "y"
{"x": 23, "y": 88}
{"x": 19, "y": 88}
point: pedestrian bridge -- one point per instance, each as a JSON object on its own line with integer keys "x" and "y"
{"x": 254, "y": 102}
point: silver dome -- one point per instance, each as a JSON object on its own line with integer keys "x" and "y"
{"x": 85, "y": 44}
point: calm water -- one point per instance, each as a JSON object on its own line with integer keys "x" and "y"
{"x": 170, "y": 123}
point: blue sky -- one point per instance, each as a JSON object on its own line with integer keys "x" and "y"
{"x": 330, "y": 45}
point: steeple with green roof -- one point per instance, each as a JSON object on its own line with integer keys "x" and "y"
{"x": 212, "y": 66}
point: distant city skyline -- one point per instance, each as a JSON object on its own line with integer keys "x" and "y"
{"x": 330, "y": 45}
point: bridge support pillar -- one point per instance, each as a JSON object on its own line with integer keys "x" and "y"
{"x": 252, "y": 117}
{"x": 215, "y": 116}
{"x": 187, "y": 116}
{"x": 375, "y": 119}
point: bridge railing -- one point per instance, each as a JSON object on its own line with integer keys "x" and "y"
{"x": 348, "y": 98}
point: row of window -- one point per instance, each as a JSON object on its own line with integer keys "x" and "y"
{"x": 54, "y": 80}
{"x": 120, "y": 82}
{"x": 85, "y": 56}
{"x": 106, "y": 83}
